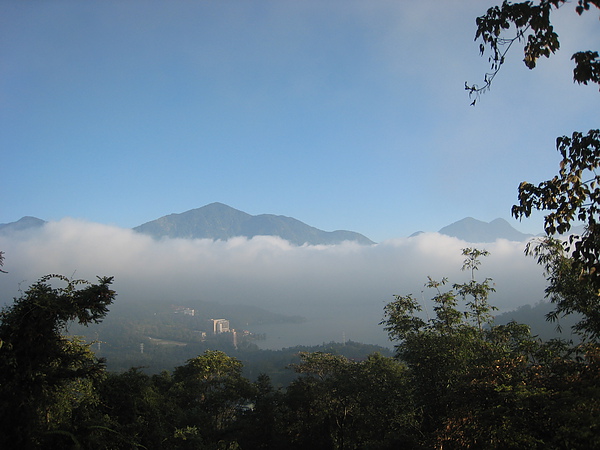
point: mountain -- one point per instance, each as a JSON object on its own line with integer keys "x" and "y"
{"x": 24, "y": 223}
{"x": 535, "y": 317}
{"x": 473, "y": 230}
{"x": 219, "y": 221}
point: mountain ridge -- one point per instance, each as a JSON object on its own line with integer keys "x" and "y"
{"x": 477, "y": 231}
{"x": 24, "y": 223}
{"x": 220, "y": 222}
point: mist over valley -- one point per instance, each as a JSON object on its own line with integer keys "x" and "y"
{"x": 338, "y": 290}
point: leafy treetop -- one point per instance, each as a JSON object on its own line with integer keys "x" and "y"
{"x": 529, "y": 23}
{"x": 574, "y": 194}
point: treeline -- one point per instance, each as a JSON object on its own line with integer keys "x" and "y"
{"x": 456, "y": 381}
{"x": 169, "y": 340}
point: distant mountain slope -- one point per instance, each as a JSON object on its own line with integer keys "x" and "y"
{"x": 22, "y": 224}
{"x": 219, "y": 221}
{"x": 535, "y": 317}
{"x": 473, "y": 230}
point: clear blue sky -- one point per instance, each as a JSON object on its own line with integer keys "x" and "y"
{"x": 342, "y": 114}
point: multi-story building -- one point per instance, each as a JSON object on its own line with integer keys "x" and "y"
{"x": 184, "y": 310}
{"x": 220, "y": 326}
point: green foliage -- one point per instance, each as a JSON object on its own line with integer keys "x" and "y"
{"x": 528, "y": 23}
{"x": 440, "y": 351}
{"x": 261, "y": 425}
{"x": 478, "y": 307}
{"x": 573, "y": 266}
{"x": 567, "y": 289}
{"x": 493, "y": 386}
{"x": 211, "y": 394}
{"x": 401, "y": 319}
{"x": 401, "y": 316}
{"x": 531, "y": 396}
{"x": 139, "y": 413}
{"x": 337, "y": 403}
{"x": 573, "y": 195}
{"x": 44, "y": 375}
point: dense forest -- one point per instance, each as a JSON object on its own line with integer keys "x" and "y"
{"x": 456, "y": 380}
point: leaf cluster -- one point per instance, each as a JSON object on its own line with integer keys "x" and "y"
{"x": 42, "y": 372}
{"x": 528, "y": 23}
{"x": 495, "y": 386}
{"x": 402, "y": 316}
{"x": 337, "y": 403}
{"x": 566, "y": 289}
{"x": 573, "y": 195}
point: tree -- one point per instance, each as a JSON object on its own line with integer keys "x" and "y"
{"x": 478, "y": 308}
{"x": 529, "y": 394}
{"x": 492, "y": 386}
{"x": 441, "y": 351}
{"x": 337, "y": 403}
{"x": 574, "y": 194}
{"x": 44, "y": 374}
{"x": 401, "y": 316}
{"x": 262, "y": 424}
{"x": 212, "y": 395}
{"x": 569, "y": 292}
{"x": 137, "y": 410}
{"x": 529, "y": 23}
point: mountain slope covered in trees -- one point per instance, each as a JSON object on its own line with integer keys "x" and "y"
{"x": 219, "y": 221}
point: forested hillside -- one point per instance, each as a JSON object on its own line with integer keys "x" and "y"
{"x": 456, "y": 381}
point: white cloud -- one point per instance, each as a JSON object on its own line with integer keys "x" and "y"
{"x": 345, "y": 285}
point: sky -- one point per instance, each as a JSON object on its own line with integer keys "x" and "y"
{"x": 342, "y": 114}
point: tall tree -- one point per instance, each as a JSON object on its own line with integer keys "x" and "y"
{"x": 442, "y": 350}
{"x": 491, "y": 386}
{"x": 574, "y": 193}
{"x": 43, "y": 373}
{"x": 137, "y": 411}
{"x": 212, "y": 394}
{"x": 337, "y": 403}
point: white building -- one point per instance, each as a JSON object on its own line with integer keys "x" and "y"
{"x": 220, "y": 326}
{"x": 184, "y": 310}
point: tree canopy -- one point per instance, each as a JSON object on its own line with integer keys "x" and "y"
{"x": 39, "y": 366}
{"x": 573, "y": 195}
{"x": 529, "y": 23}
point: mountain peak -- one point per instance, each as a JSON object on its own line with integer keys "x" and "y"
{"x": 23, "y": 223}
{"x": 221, "y": 222}
{"x": 217, "y": 205}
{"x": 477, "y": 231}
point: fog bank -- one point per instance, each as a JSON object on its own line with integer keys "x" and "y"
{"x": 340, "y": 289}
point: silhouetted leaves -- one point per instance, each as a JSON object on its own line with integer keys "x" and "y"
{"x": 44, "y": 375}
{"x": 528, "y": 23}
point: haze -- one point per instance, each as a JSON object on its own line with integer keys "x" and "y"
{"x": 340, "y": 289}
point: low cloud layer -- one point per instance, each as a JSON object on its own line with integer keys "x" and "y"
{"x": 341, "y": 289}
